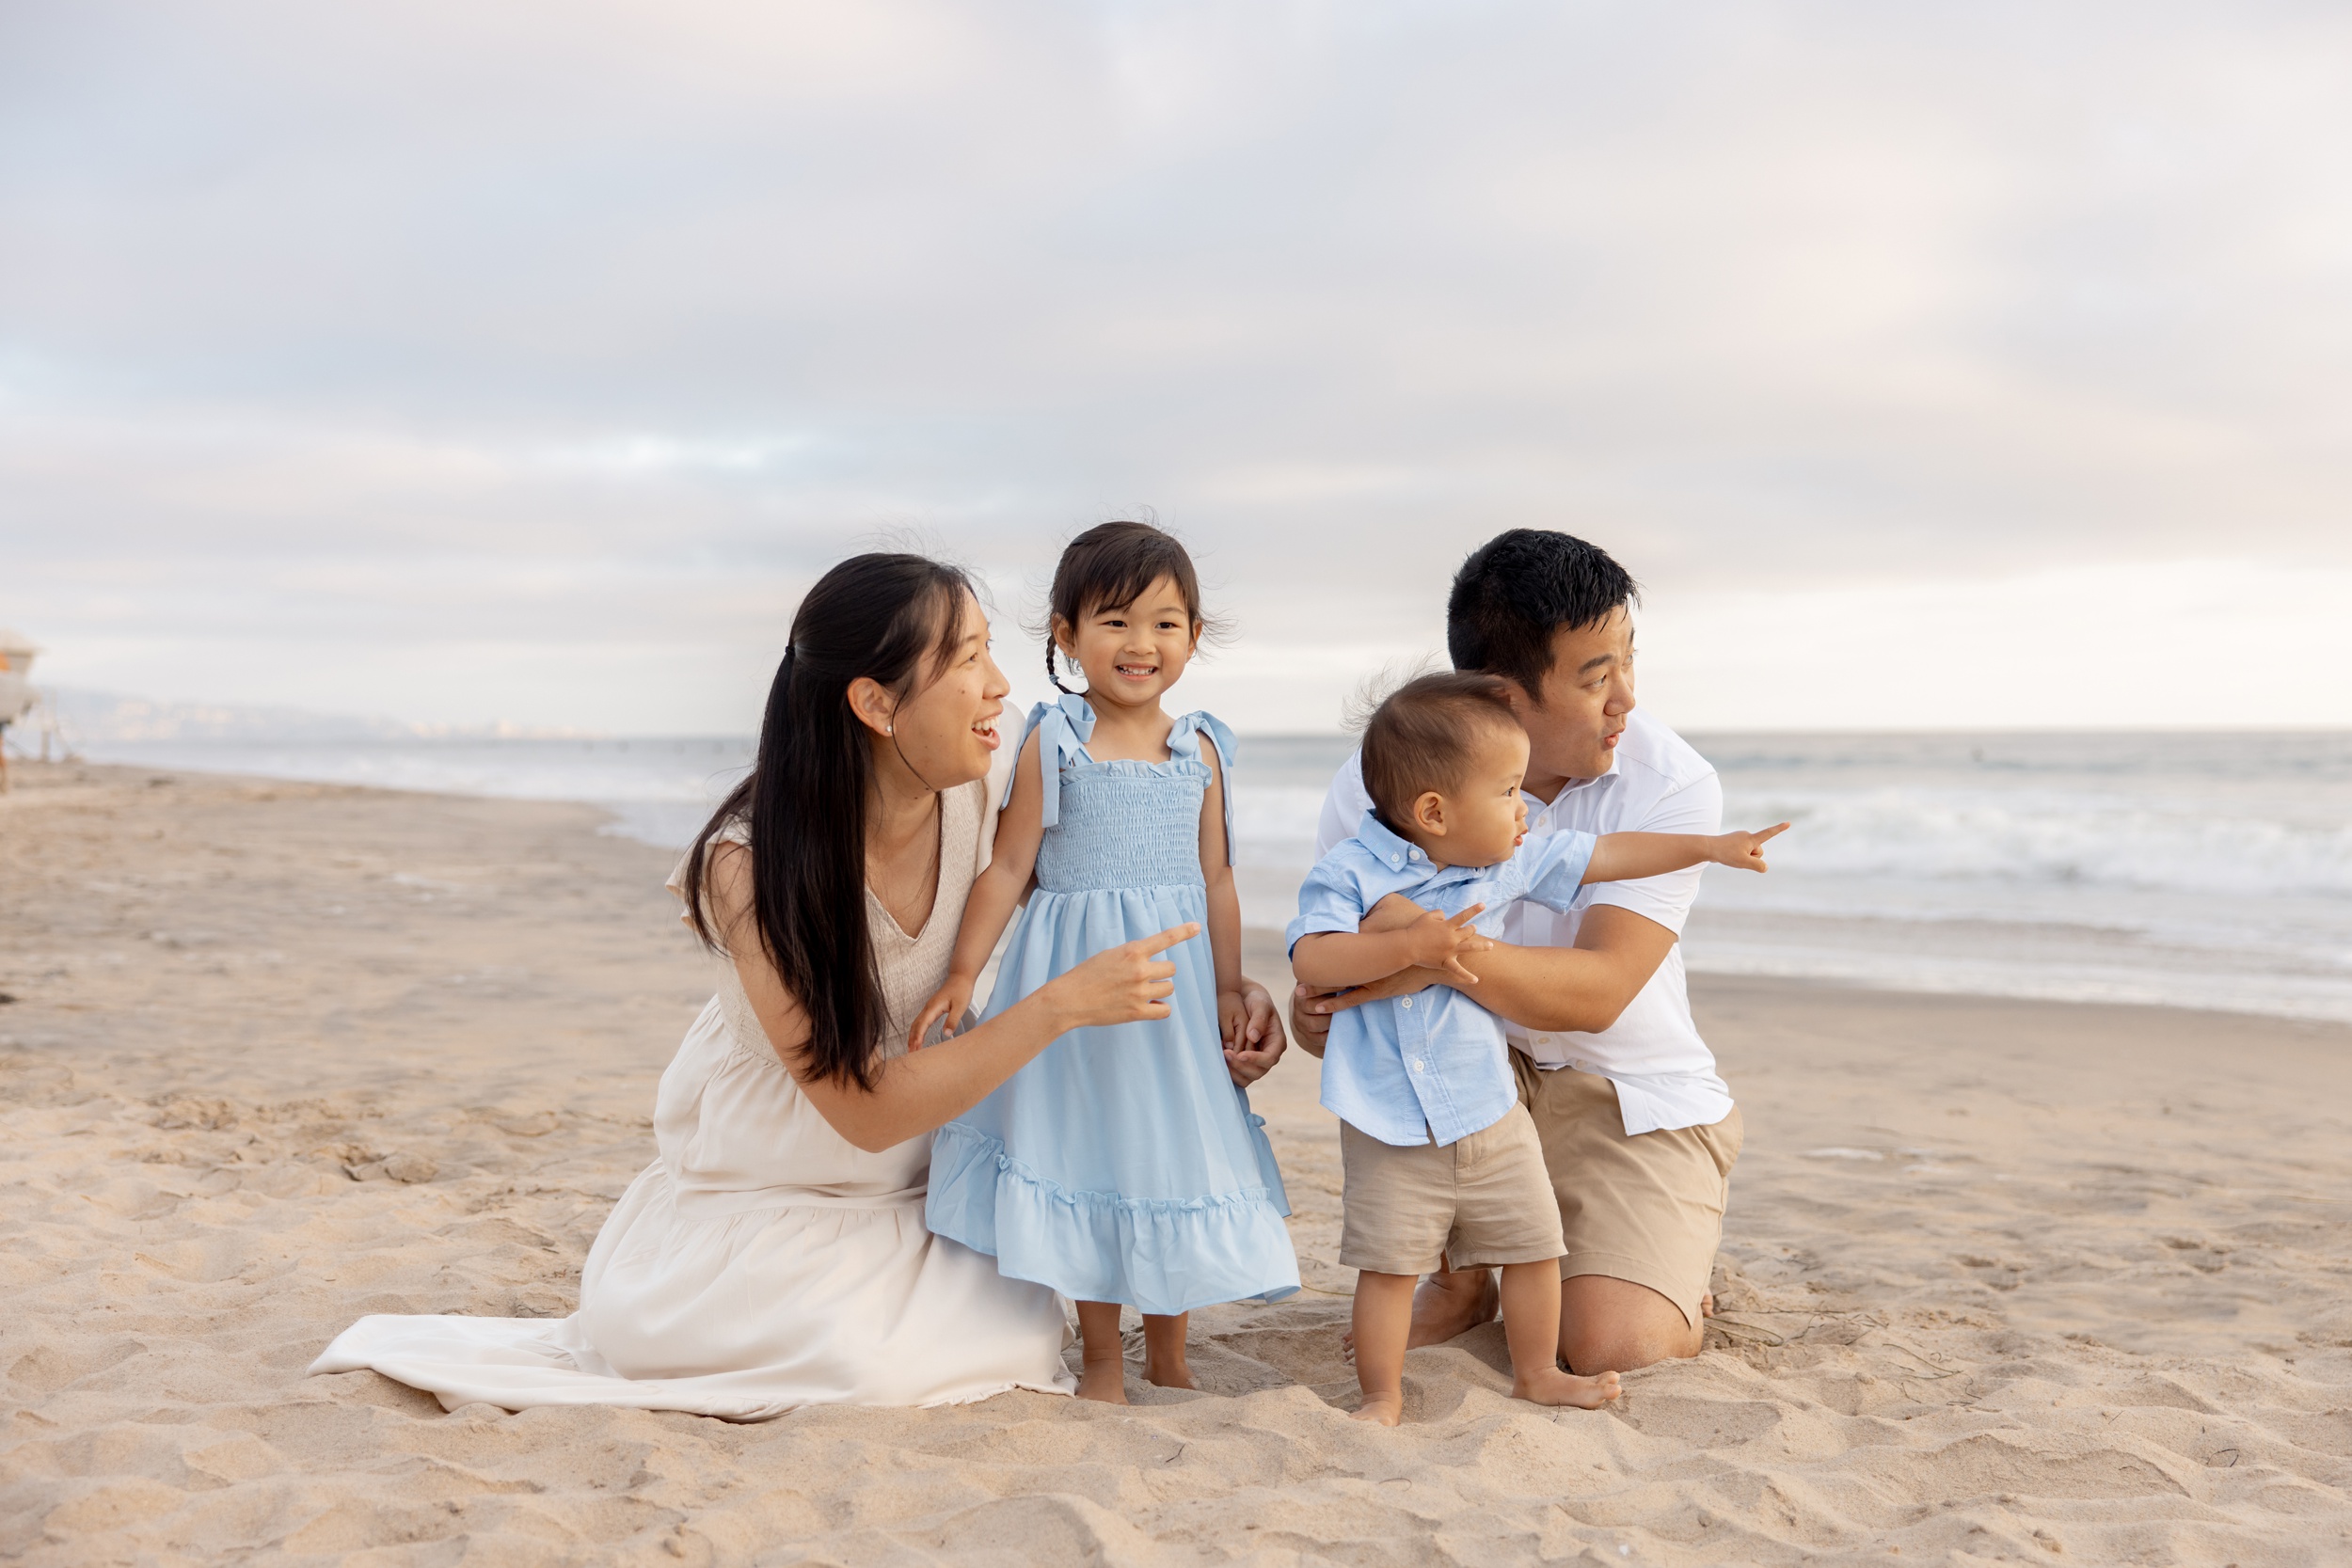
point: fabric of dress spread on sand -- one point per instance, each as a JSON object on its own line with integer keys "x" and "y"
{"x": 1122, "y": 1165}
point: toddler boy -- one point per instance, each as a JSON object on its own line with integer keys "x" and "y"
{"x": 1439, "y": 1157}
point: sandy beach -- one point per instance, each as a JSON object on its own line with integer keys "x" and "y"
{"x": 2002, "y": 1281}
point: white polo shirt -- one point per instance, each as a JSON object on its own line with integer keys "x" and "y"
{"x": 1656, "y": 783}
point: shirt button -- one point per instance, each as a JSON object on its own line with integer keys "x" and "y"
{"x": 1413, "y": 855}
{"x": 1408, "y": 1003}
{"x": 1417, "y": 1063}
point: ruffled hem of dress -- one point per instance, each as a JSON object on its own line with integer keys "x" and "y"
{"x": 1160, "y": 1256}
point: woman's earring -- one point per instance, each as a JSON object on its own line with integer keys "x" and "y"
{"x": 890, "y": 729}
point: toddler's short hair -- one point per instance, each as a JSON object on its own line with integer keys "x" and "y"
{"x": 1420, "y": 737}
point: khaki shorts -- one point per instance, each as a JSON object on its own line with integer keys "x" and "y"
{"x": 1648, "y": 1208}
{"x": 1481, "y": 1201}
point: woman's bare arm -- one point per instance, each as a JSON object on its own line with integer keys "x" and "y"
{"x": 917, "y": 1093}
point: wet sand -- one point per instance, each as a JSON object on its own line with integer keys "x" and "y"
{"x": 2002, "y": 1281}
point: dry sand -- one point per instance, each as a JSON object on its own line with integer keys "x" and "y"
{"x": 2003, "y": 1281}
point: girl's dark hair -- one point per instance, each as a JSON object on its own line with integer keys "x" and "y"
{"x": 804, "y": 802}
{"x": 1420, "y": 737}
{"x": 1111, "y": 565}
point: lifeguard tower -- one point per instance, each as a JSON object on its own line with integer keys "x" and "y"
{"x": 16, "y": 653}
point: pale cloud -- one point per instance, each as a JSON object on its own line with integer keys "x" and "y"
{"x": 2213, "y": 644}
{"x": 514, "y": 359}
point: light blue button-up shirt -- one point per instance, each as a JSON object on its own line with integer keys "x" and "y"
{"x": 1430, "y": 1068}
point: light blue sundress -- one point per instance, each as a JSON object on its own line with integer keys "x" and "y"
{"x": 1120, "y": 1163}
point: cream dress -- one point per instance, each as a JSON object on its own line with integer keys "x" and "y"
{"x": 762, "y": 1261}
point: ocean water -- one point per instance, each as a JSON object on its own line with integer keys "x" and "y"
{"x": 2187, "y": 870}
{"x": 2190, "y": 870}
{"x": 659, "y": 790}
{"x": 2204, "y": 870}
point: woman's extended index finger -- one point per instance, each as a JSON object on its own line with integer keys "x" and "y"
{"x": 1774, "y": 831}
{"x": 1167, "y": 939}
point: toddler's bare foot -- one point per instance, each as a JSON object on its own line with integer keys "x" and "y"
{"x": 1707, "y": 1305}
{"x": 1387, "y": 1410}
{"x": 1550, "y": 1385}
{"x": 1106, "y": 1381}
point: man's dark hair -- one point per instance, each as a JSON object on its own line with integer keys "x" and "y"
{"x": 1519, "y": 588}
{"x": 1420, "y": 738}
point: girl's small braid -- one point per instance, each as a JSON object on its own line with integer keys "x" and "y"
{"x": 1053, "y": 671}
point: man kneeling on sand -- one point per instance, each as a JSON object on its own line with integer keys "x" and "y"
{"x": 1638, "y": 1131}
{"x": 1441, "y": 1162}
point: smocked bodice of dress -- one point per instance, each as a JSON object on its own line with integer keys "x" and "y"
{"x": 1122, "y": 824}
{"x": 734, "y": 1128}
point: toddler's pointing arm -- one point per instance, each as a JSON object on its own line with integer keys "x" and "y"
{"x": 1630, "y": 857}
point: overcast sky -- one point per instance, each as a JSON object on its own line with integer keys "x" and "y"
{"x": 1945, "y": 364}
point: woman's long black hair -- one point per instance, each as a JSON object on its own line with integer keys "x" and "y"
{"x": 893, "y": 618}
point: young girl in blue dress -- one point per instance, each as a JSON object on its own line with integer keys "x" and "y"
{"x": 1122, "y": 1166}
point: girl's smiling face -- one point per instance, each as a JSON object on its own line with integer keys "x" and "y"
{"x": 1132, "y": 653}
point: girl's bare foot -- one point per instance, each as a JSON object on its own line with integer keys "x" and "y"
{"x": 1102, "y": 1354}
{"x": 1166, "y": 1375}
{"x": 1387, "y": 1410}
{"x": 1164, "y": 1361}
{"x": 1106, "y": 1380}
{"x": 1550, "y": 1385}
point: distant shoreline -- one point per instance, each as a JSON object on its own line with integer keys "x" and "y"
{"x": 1265, "y": 941}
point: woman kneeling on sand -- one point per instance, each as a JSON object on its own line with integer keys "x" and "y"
{"x": 773, "y": 1255}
